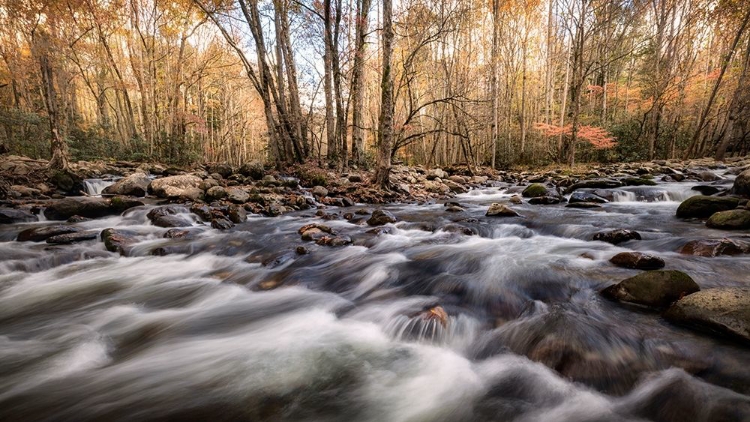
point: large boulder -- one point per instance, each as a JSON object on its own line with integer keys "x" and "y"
{"x": 534, "y": 190}
{"x": 714, "y": 247}
{"x": 223, "y": 169}
{"x": 595, "y": 184}
{"x": 704, "y": 206}
{"x": 730, "y": 220}
{"x": 134, "y": 185}
{"x": 237, "y": 195}
{"x": 253, "y": 169}
{"x": 742, "y": 184}
{"x": 586, "y": 197}
{"x": 618, "y": 236}
{"x": 38, "y": 234}
{"x": 183, "y": 186}
{"x": 381, "y": 217}
{"x": 637, "y": 260}
{"x": 724, "y": 310}
{"x": 84, "y": 207}
{"x": 13, "y": 216}
{"x": 656, "y": 289}
{"x": 500, "y": 210}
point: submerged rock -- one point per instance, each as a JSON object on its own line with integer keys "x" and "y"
{"x": 730, "y": 220}
{"x": 656, "y": 289}
{"x": 381, "y": 217}
{"x": 704, "y": 206}
{"x": 618, "y": 236}
{"x": 637, "y": 260}
{"x": 221, "y": 224}
{"x": 64, "y": 239}
{"x": 13, "y": 216}
{"x": 723, "y": 310}
{"x": 500, "y": 210}
{"x": 117, "y": 240}
{"x": 583, "y": 205}
{"x": 714, "y": 247}
{"x": 37, "y": 234}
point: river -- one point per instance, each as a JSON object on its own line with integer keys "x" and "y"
{"x": 444, "y": 317}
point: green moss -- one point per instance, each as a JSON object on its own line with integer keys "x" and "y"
{"x": 638, "y": 181}
{"x": 701, "y": 206}
{"x": 730, "y": 220}
{"x": 534, "y": 190}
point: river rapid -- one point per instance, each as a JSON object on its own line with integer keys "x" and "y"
{"x": 440, "y": 317}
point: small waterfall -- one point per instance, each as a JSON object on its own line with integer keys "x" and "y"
{"x": 94, "y": 187}
{"x": 624, "y": 196}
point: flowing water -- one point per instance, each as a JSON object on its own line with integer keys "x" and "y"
{"x": 94, "y": 187}
{"x": 446, "y": 317}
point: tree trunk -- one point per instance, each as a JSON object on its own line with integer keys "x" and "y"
{"x": 385, "y": 125}
{"x": 358, "y": 83}
{"x": 59, "y": 149}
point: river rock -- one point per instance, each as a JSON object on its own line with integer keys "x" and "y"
{"x": 134, "y": 185}
{"x": 165, "y": 210}
{"x": 253, "y": 169}
{"x": 14, "y": 216}
{"x": 704, "y": 206}
{"x": 123, "y": 203}
{"x": 637, "y": 260}
{"x": 314, "y": 231}
{"x": 534, "y": 190}
{"x": 657, "y": 289}
{"x": 117, "y": 240}
{"x": 706, "y": 190}
{"x": 85, "y": 207}
{"x": 215, "y": 193}
{"x": 183, "y": 186}
{"x": 201, "y": 210}
{"x": 583, "y": 205}
{"x": 723, "y": 310}
{"x": 436, "y": 174}
{"x": 381, "y": 217}
{"x": 730, "y": 220}
{"x": 37, "y": 234}
{"x": 638, "y": 181}
{"x": 714, "y": 247}
{"x": 237, "y": 195}
{"x": 595, "y": 184}
{"x": 221, "y": 224}
{"x": 708, "y": 176}
{"x": 172, "y": 221}
{"x": 65, "y": 239}
{"x": 516, "y": 199}
{"x": 222, "y": 169}
{"x": 618, "y": 236}
{"x": 237, "y": 214}
{"x": 741, "y": 184}
{"x": 586, "y": 197}
{"x": 333, "y": 241}
{"x": 544, "y": 200}
{"x": 319, "y": 191}
{"x": 500, "y": 210}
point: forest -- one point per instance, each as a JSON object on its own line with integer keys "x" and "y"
{"x": 368, "y": 83}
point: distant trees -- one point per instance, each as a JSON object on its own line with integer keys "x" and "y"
{"x": 368, "y": 83}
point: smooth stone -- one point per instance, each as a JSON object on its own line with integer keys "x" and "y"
{"x": 637, "y": 260}
{"x": 656, "y": 289}
{"x": 704, "y": 206}
{"x": 730, "y": 220}
{"x": 500, "y": 210}
{"x": 618, "y": 236}
{"x": 37, "y": 234}
{"x": 722, "y": 310}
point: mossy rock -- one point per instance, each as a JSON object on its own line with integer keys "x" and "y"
{"x": 638, "y": 181}
{"x": 730, "y": 220}
{"x": 656, "y": 289}
{"x": 723, "y": 310}
{"x": 65, "y": 181}
{"x": 701, "y": 206}
{"x": 534, "y": 190}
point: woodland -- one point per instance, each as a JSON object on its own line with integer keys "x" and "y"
{"x": 369, "y": 83}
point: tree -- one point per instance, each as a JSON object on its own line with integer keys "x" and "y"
{"x": 385, "y": 122}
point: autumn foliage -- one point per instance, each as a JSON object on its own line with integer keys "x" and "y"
{"x": 598, "y": 137}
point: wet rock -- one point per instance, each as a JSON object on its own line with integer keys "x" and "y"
{"x": 586, "y": 197}
{"x": 534, "y": 190}
{"x": 65, "y": 239}
{"x": 706, "y": 190}
{"x": 500, "y": 210}
{"x": 638, "y": 181}
{"x": 77, "y": 219}
{"x": 637, "y": 260}
{"x": 381, "y": 217}
{"x": 301, "y": 250}
{"x": 457, "y": 228}
{"x": 314, "y": 231}
{"x": 583, "y": 205}
{"x": 453, "y": 208}
{"x": 13, "y": 216}
{"x": 594, "y": 184}
{"x": 221, "y": 224}
{"x": 618, "y": 236}
{"x": 134, "y": 185}
{"x": 66, "y": 181}
{"x": 741, "y": 184}
{"x": 708, "y": 176}
{"x": 177, "y": 187}
{"x": 724, "y": 310}
{"x": 117, "y": 240}
{"x": 714, "y": 247}
{"x": 516, "y": 199}
{"x": 544, "y": 200}
{"x": 237, "y": 214}
{"x": 215, "y": 193}
{"x": 704, "y": 206}
{"x": 172, "y": 221}
{"x": 730, "y": 220}
{"x": 656, "y": 289}
{"x": 201, "y": 210}
{"x": 158, "y": 212}
{"x": 123, "y": 203}
{"x": 363, "y": 211}
{"x": 237, "y": 195}
{"x": 333, "y": 240}
{"x": 85, "y": 207}
{"x": 177, "y": 234}
{"x": 37, "y": 234}
{"x": 253, "y": 169}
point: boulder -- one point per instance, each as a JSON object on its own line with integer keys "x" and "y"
{"x": 586, "y": 197}
{"x": 741, "y": 184}
{"x": 38, "y": 234}
{"x": 381, "y": 217}
{"x": 314, "y": 231}
{"x": 237, "y": 214}
{"x": 65, "y": 239}
{"x": 221, "y": 224}
{"x": 223, "y": 169}
{"x": 595, "y": 184}
{"x": 319, "y": 191}
{"x": 172, "y": 221}
{"x": 13, "y": 216}
{"x": 117, "y": 240}
{"x": 165, "y": 210}
{"x": 656, "y": 289}
{"x": 618, "y": 236}
{"x": 237, "y": 195}
{"x": 723, "y": 310}
{"x": 201, "y": 210}
{"x": 215, "y": 193}
{"x": 638, "y": 181}
{"x": 334, "y": 241}
{"x": 122, "y": 203}
{"x": 253, "y": 169}
{"x": 637, "y": 260}
{"x": 704, "y": 206}
{"x": 534, "y": 190}
{"x": 500, "y": 210}
{"x": 544, "y": 200}
{"x": 436, "y": 174}
{"x": 714, "y": 247}
{"x": 85, "y": 207}
{"x": 730, "y": 220}
{"x": 183, "y": 186}
{"x": 706, "y": 190}
{"x": 134, "y": 185}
